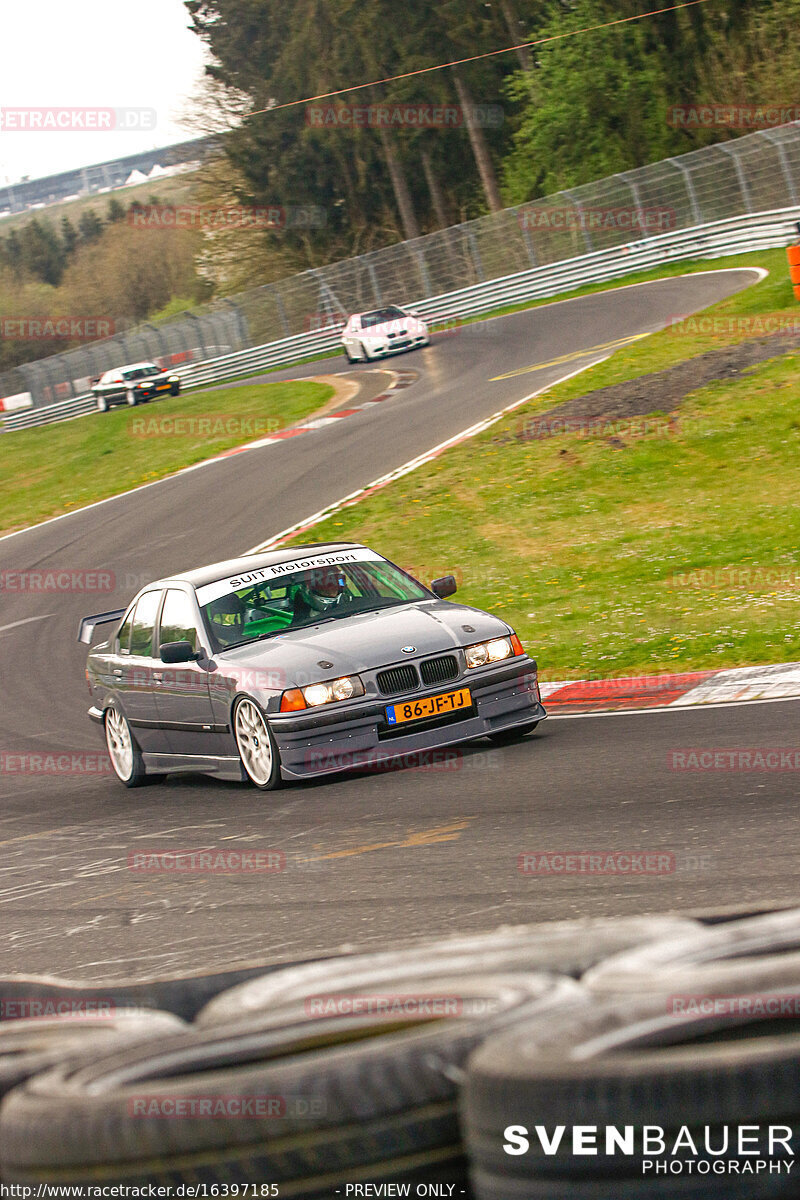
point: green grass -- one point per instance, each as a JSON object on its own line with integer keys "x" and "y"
{"x": 47, "y": 471}
{"x": 585, "y": 548}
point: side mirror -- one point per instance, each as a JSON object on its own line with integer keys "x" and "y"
{"x": 444, "y": 587}
{"x": 177, "y": 652}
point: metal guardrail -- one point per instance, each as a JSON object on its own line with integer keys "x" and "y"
{"x": 736, "y": 235}
{"x": 753, "y": 173}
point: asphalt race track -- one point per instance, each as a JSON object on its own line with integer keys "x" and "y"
{"x": 370, "y": 859}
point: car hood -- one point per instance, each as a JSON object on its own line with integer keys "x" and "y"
{"x": 367, "y": 641}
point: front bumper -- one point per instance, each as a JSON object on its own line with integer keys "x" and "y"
{"x": 406, "y": 343}
{"x": 322, "y": 743}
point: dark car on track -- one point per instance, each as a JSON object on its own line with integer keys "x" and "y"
{"x": 301, "y": 662}
{"x": 134, "y": 384}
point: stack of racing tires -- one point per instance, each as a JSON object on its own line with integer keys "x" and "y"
{"x": 490, "y": 1067}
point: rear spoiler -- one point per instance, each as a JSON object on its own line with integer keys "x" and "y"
{"x": 86, "y": 627}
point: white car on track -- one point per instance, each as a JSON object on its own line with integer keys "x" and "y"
{"x": 383, "y": 331}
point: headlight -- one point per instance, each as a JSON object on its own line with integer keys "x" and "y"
{"x": 494, "y": 651}
{"x": 322, "y": 693}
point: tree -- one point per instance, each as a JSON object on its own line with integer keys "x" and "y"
{"x": 69, "y": 236}
{"x": 41, "y": 250}
{"x": 268, "y": 54}
{"x": 597, "y": 103}
{"x": 90, "y": 226}
{"x": 115, "y": 211}
{"x": 131, "y": 273}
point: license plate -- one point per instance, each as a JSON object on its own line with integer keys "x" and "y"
{"x": 428, "y": 706}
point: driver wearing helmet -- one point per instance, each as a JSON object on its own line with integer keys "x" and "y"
{"x": 319, "y": 594}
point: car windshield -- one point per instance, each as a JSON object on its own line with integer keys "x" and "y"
{"x": 380, "y": 316}
{"x": 141, "y": 372}
{"x": 247, "y": 608}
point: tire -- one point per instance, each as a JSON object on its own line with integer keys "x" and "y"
{"x": 181, "y": 995}
{"x": 753, "y": 954}
{"x": 364, "y": 356}
{"x": 626, "y": 1063}
{"x": 349, "y": 356}
{"x": 384, "y": 1092}
{"x": 131, "y": 399}
{"x": 258, "y": 751}
{"x": 28, "y": 1047}
{"x": 507, "y": 737}
{"x": 126, "y": 757}
{"x": 566, "y": 947}
{"x": 175, "y": 390}
{"x": 102, "y": 404}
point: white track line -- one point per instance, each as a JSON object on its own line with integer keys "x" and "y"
{"x": 419, "y": 461}
{"x": 26, "y": 621}
{"x": 667, "y": 708}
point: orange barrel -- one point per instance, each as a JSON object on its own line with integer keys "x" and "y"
{"x": 794, "y": 273}
{"x": 793, "y": 255}
{"x": 796, "y": 290}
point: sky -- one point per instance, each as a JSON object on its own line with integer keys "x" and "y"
{"x": 96, "y": 54}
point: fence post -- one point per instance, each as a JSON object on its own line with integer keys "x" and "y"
{"x": 579, "y": 210}
{"x": 419, "y": 255}
{"x": 787, "y": 171}
{"x": 697, "y": 218}
{"x": 519, "y": 217}
{"x": 476, "y": 255}
{"x": 373, "y": 278}
{"x": 740, "y": 175}
{"x": 241, "y": 327}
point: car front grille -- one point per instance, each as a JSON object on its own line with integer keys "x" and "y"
{"x": 397, "y": 679}
{"x": 439, "y": 670}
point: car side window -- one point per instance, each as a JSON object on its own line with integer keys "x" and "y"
{"x": 124, "y": 635}
{"x": 144, "y": 620}
{"x": 177, "y": 619}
